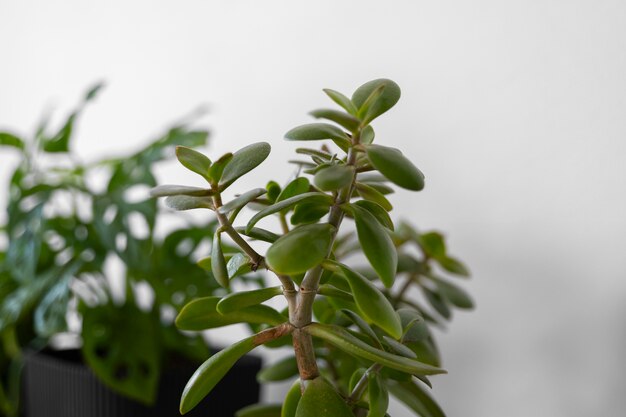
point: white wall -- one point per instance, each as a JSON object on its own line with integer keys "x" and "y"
{"x": 513, "y": 109}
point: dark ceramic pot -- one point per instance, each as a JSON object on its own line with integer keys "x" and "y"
{"x": 59, "y": 384}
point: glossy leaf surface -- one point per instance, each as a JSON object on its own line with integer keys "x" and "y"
{"x": 279, "y": 371}
{"x": 290, "y": 202}
{"x": 377, "y": 245}
{"x": 333, "y": 177}
{"x": 244, "y": 161}
{"x": 241, "y": 201}
{"x": 316, "y": 131}
{"x": 378, "y": 396}
{"x": 321, "y": 399}
{"x": 169, "y": 190}
{"x": 238, "y": 300}
{"x": 395, "y": 167}
{"x": 184, "y": 202}
{"x": 202, "y": 314}
{"x": 301, "y": 249}
{"x": 290, "y": 404}
{"x": 218, "y": 262}
{"x": 388, "y": 97}
{"x": 342, "y": 100}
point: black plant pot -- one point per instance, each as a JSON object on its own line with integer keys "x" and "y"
{"x": 59, "y": 384}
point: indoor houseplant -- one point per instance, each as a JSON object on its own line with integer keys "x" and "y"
{"x": 63, "y": 230}
{"x": 357, "y": 334}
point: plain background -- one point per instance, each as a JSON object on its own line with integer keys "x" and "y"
{"x": 514, "y": 110}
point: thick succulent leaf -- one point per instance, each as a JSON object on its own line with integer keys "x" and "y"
{"x": 241, "y": 201}
{"x": 244, "y": 161}
{"x": 395, "y": 167}
{"x": 456, "y": 295}
{"x": 260, "y": 410}
{"x": 372, "y": 194}
{"x": 305, "y": 213}
{"x": 202, "y": 314}
{"x": 367, "y": 135}
{"x": 9, "y": 139}
{"x": 194, "y": 161}
{"x": 414, "y": 397}
{"x": 321, "y": 399}
{"x": 296, "y": 187}
{"x": 258, "y": 234}
{"x": 342, "y": 100}
{"x": 433, "y": 244}
{"x": 345, "y": 120}
{"x": 290, "y": 404}
{"x": 239, "y": 264}
{"x": 121, "y": 345}
{"x": 273, "y": 191}
{"x": 317, "y": 131}
{"x": 437, "y": 302}
{"x": 301, "y": 249}
{"x": 333, "y": 177}
{"x": 378, "y": 396}
{"x": 167, "y": 190}
{"x": 370, "y": 107}
{"x": 454, "y": 266}
{"x": 279, "y": 371}
{"x": 315, "y": 152}
{"x": 414, "y": 325}
{"x": 378, "y": 212}
{"x": 339, "y": 337}
{"x": 377, "y": 245}
{"x": 285, "y": 204}
{"x": 211, "y": 372}
{"x": 185, "y": 202}
{"x": 363, "y": 326}
{"x": 399, "y": 348}
{"x": 374, "y": 306}
{"x": 238, "y": 300}
{"x": 218, "y": 262}
{"x": 217, "y": 169}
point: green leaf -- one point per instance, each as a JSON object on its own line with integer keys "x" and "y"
{"x": 371, "y": 194}
{"x": 121, "y": 345}
{"x": 211, "y": 372}
{"x": 170, "y": 190}
{"x": 367, "y": 135}
{"x": 290, "y": 404}
{"x": 378, "y": 212}
{"x": 218, "y": 262}
{"x": 437, "y": 302}
{"x": 258, "y": 234}
{"x": 342, "y": 100}
{"x": 377, "y": 245}
{"x": 273, "y": 191}
{"x": 260, "y": 410}
{"x": 456, "y": 295}
{"x": 238, "y": 300}
{"x": 341, "y": 338}
{"x": 334, "y": 177}
{"x": 433, "y": 244}
{"x": 454, "y": 266}
{"x": 296, "y": 187}
{"x": 375, "y": 98}
{"x": 301, "y": 249}
{"x": 414, "y": 326}
{"x": 185, "y": 202}
{"x": 241, "y": 201}
{"x": 285, "y": 204}
{"x": 374, "y": 306}
{"x": 217, "y": 169}
{"x": 194, "y": 161}
{"x": 363, "y": 326}
{"x": 395, "y": 167}
{"x": 418, "y": 400}
{"x": 378, "y": 396}
{"x": 342, "y": 119}
{"x": 9, "y": 139}
{"x": 239, "y": 264}
{"x": 244, "y": 161}
{"x": 399, "y": 348}
{"x": 305, "y": 213}
{"x": 279, "y": 371}
{"x": 317, "y": 131}
{"x": 202, "y": 314}
{"x": 321, "y": 399}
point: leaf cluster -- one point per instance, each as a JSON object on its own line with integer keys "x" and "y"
{"x": 360, "y": 332}
{"x": 61, "y": 232}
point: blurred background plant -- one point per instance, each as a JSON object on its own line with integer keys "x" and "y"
{"x": 64, "y": 229}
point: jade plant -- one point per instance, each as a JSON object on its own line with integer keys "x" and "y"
{"x": 358, "y": 333}
{"x": 60, "y": 233}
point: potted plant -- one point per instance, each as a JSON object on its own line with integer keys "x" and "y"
{"x": 63, "y": 232}
{"x": 358, "y": 334}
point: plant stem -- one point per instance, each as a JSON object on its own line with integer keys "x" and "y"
{"x": 303, "y": 314}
